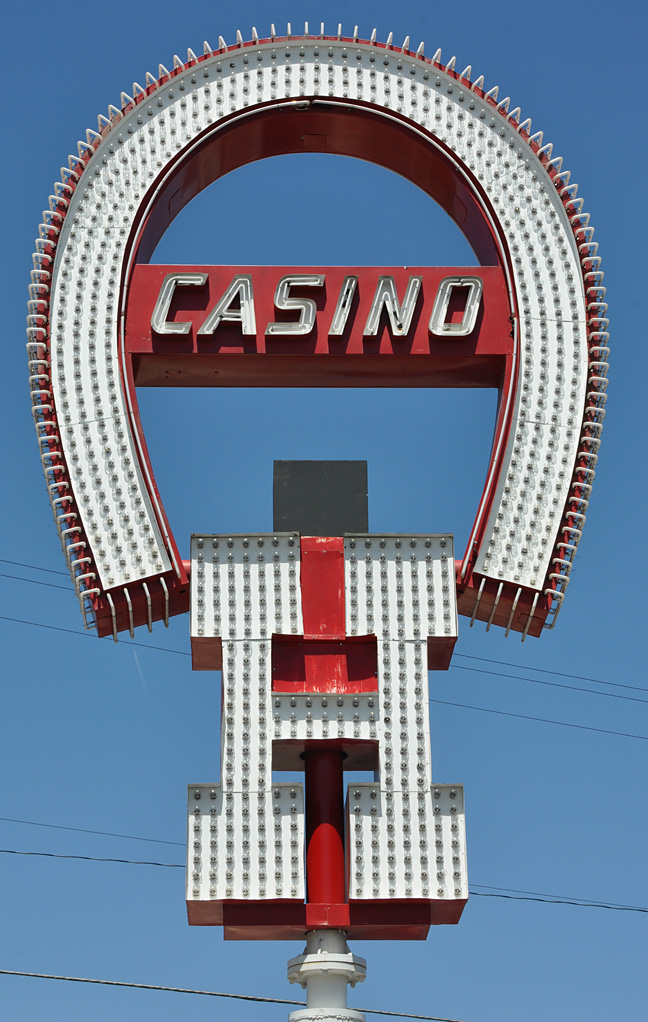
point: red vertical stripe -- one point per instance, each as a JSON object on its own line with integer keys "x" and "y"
{"x": 322, "y": 586}
{"x": 325, "y": 858}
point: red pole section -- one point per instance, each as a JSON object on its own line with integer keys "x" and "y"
{"x": 325, "y": 859}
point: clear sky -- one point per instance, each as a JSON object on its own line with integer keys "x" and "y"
{"x": 106, "y": 738}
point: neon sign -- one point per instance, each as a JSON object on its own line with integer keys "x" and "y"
{"x": 540, "y": 331}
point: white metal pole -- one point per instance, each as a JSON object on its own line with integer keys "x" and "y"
{"x": 325, "y": 969}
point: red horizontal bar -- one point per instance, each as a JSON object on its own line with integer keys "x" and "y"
{"x": 329, "y": 665}
{"x": 283, "y": 919}
{"x": 229, "y": 358}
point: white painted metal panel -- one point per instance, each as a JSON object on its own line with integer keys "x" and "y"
{"x": 406, "y": 844}
{"x": 400, "y": 586}
{"x": 301, "y": 717}
{"x": 250, "y": 838}
{"x": 245, "y": 845}
{"x": 396, "y": 822}
{"x": 245, "y": 586}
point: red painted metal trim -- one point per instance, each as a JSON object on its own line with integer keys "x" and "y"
{"x": 380, "y": 919}
{"x": 325, "y": 917}
{"x": 178, "y": 602}
{"x": 229, "y": 358}
{"x": 325, "y": 858}
{"x": 206, "y": 653}
{"x": 440, "y": 650}
{"x": 327, "y": 665}
{"x": 322, "y": 587}
{"x": 328, "y": 125}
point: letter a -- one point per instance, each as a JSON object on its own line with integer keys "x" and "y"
{"x": 241, "y": 286}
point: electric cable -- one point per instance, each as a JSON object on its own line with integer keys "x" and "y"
{"x": 551, "y": 684}
{"x": 545, "y": 670}
{"x": 561, "y": 901}
{"x": 92, "y": 858}
{"x": 215, "y": 993}
{"x": 507, "y": 892}
{"x": 556, "y": 899}
{"x": 542, "y": 720}
{"x": 84, "y": 830}
{"x": 90, "y": 635}
{"x": 50, "y": 585}
{"x": 34, "y": 567}
{"x": 550, "y": 899}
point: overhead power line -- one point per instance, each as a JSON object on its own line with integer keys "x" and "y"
{"x": 545, "y": 670}
{"x": 541, "y": 720}
{"x": 92, "y": 858}
{"x": 510, "y": 896}
{"x": 504, "y": 892}
{"x": 561, "y": 901}
{"x": 551, "y": 684}
{"x": 553, "y": 899}
{"x": 50, "y": 585}
{"x": 90, "y": 635}
{"x": 215, "y": 993}
{"x": 34, "y": 567}
{"x": 84, "y": 830}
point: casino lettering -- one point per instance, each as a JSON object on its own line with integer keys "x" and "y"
{"x": 236, "y": 305}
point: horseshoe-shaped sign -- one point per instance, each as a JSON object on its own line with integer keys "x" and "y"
{"x": 530, "y": 319}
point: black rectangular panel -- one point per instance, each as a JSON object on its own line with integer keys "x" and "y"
{"x": 320, "y": 498}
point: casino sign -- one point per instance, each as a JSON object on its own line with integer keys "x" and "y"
{"x": 529, "y": 320}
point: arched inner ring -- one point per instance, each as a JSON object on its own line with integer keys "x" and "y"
{"x": 358, "y": 130}
{"x": 324, "y": 126}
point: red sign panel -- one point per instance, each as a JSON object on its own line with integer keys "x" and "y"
{"x": 320, "y": 326}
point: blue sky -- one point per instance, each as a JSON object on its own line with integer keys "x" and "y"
{"x": 106, "y": 738}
